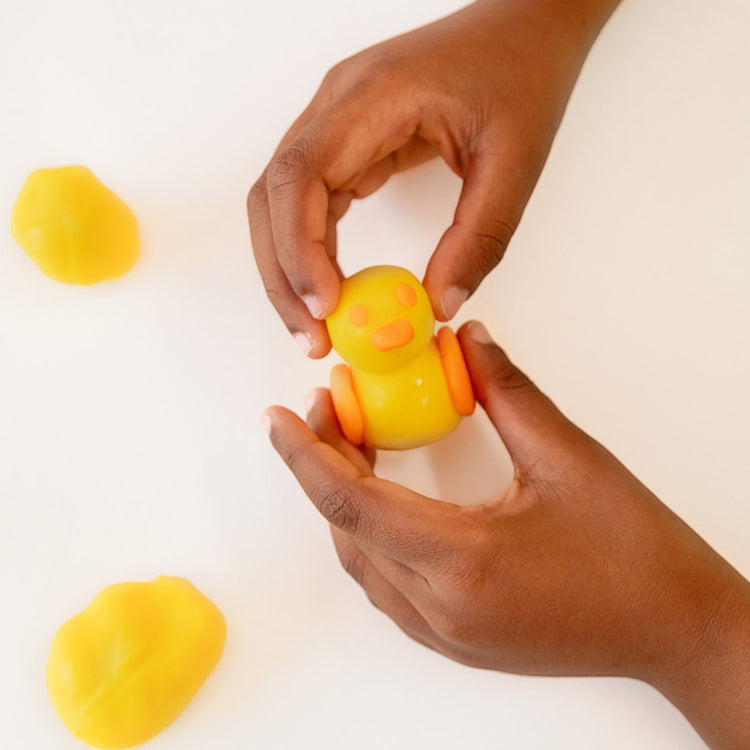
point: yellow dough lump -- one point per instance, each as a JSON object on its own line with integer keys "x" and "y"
{"x": 74, "y": 227}
{"x": 123, "y": 669}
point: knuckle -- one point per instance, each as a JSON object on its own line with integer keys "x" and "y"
{"x": 289, "y": 166}
{"x": 354, "y": 564}
{"x": 298, "y": 459}
{"x": 339, "y": 505}
{"x": 459, "y": 586}
{"x": 276, "y": 294}
{"x": 464, "y": 654}
{"x": 379, "y": 72}
{"x": 461, "y": 574}
{"x": 453, "y": 627}
{"x": 376, "y": 67}
{"x": 343, "y": 76}
{"x": 336, "y": 74}
{"x": 470, "y": 576}
{"x": 507, "y": 377}
{"x": 372, "y": 599}
{"x": 492, "y": 242}
{"x": 290, "y": 457}
{"x": 257, "y": 198}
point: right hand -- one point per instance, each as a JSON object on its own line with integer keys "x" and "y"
{"x": 484, "y": 88}
{"x": 575, "y": 569}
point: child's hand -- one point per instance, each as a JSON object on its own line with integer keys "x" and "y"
{"x": 485, "y": 89}
{"x": 575, "y": 569}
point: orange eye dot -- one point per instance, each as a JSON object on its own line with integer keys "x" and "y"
{"x": 406, "y": 295}
{"x": 358, "y": 315}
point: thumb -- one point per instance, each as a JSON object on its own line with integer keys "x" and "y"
{"x": 530, "y": 425}
{"x": 488, "y": 211}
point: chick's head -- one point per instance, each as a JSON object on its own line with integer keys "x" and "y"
{"x": 383, "y": 319}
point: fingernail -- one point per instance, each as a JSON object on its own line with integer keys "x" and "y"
{"x": 479, "y": 333}
{"x": 310, "y": 399}
{"x": 265, "y": 420}
{"x": 305, "y": 342}
{"x": 452, "y": 299}
{"x": 315, "y": 306}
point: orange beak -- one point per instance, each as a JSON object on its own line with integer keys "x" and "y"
{"x": 395, "y": 334}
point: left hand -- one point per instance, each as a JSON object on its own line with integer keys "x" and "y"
{"x": 485, "y": 88}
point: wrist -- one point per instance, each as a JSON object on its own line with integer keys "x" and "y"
{"x": 708, "y": 675}
{"x": 583, "y": 18}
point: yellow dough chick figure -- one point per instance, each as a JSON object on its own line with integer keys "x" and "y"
{"x": 403, "y": 387}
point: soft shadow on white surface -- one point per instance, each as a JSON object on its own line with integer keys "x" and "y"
{"x": 468, "y": 467}
{"x": 471, "y": 464}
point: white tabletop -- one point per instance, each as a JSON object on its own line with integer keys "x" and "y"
{"x": 129, "y": 437}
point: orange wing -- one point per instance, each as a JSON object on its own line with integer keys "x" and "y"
{"x": 346, "y": 405}
{"x": 454, "y": 366}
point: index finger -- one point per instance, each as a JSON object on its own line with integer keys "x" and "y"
{"x": 332, "y": 153}
{"x": 404, "y": 525}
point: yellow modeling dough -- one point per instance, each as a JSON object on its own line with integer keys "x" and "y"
{"x": 123, "y": 669}
{"x": 404, "y": 387}
{"x": 73, "y": 227}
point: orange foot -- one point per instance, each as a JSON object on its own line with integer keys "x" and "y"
{"x": 346, "y": 405}
{"x": 454, "y": 366}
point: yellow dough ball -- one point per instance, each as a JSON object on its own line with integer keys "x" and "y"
{"x": 383, "y": 319}
{"x": 123, "y": 669}
{"x": 74, "y": 227}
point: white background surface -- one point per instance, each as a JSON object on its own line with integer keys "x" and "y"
{"x": 129, "y": 436}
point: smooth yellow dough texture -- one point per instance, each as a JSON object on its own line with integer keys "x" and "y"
{"x": 409, "y": 407}
{"x": 74, "y": 227}
{"x": 374, "y": 291}
{"x": 383, "y": 327}
{"x": 123, "y": 669}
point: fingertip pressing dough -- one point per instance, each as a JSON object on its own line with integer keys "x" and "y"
{"x": 123, "y": 669}
{"x": 403, "y": 386}
{"x": 74, "y": 227}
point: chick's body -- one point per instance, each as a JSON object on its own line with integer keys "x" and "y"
{"x": 409, "y": 407}
{"x": 400, "y": 389}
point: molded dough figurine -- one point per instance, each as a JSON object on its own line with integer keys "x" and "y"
{"x": 74, "y": 227}
{"x": 404, "y": 387}
{"x": 123, "y": 669}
